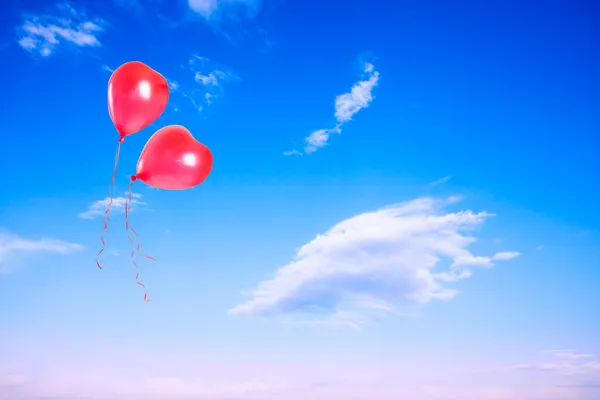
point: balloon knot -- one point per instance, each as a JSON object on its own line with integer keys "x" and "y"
{"x": 133, "y": 178}
{"x": 121, "y": 139}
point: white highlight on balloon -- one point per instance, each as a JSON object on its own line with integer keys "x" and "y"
{"x": 145, "y": 89}
{"x": 190, "y": 160}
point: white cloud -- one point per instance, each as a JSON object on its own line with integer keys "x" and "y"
{"x": 210, "y": 8}
{"x": 361, "y": 95}
{"x": 377, "y": 263}
{"x": 97, "y": 208}
{"x": 505, "y": 255}
{"x": 206, "y": 85}
{"x": 569, "y": 354}
{"x": 319, "y": 138}
{"x": 172, "y": 84}
{"x": 212, "y": 79}
{"x": 12, "y": 246}
{"x": 346, "y": 106}
{"x": 438, "y": 182}
{"x": 209, "y": 73}
{"x": 567, "y": 363}
{"x": 206, "y": 8}
{"x": 43, "y": 34}
{"x": 563, "y": 367}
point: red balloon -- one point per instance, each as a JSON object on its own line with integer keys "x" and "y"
{"x": 137, "y": 96}
{"x": 174, "y": 160}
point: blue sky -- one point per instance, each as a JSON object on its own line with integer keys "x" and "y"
{"x": 402, "y": 204}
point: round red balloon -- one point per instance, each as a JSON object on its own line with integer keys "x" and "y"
{"x": 174, "y": 160}
{"x": 137, "y": 96}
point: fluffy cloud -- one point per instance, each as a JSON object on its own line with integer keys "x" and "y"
{"x": 206, "y": 8}
{"x": 43, "y": 34}
{"x": 97, "y": 208}
{"x": 12, "y": 246}
{"x": 346, "y": 106}
{"x": 319, "y": 138}
{"x": 374, "y": 264}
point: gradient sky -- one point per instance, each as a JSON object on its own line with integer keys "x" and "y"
{"x": 403, "y": 203}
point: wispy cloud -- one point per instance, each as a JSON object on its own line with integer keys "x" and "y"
{"x": 210, "y": 9}
{"x": 319, "y": 138}
{"x": 346, "y": 107}
{"x": 505, "y": 255}
{"x": 10, "y": 378}
{"x": 566, "y": 362}
{"x": 97, "y": 208}
{"x": 69, "y": 28}
{"x": 438, "y": 182}
{"x": 204, "y": 84}
{"x": 374, "y": 264}
{"x": 351, "y": 378}
{"x": 12, "y": 246}
{"x": 169, "y": 386}
{"x": 226, "y": 19}
{"x": 563, "y": 367}
{"x": 205, "y": 8}
{"x": 569, "y": 354}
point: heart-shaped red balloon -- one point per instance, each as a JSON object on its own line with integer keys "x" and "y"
{"x": 137, "y": 96}
{"x": 174, "y": 160}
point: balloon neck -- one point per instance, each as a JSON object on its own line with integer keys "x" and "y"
{"x": 133, "y": 178}
{"x": 121, "y": 139}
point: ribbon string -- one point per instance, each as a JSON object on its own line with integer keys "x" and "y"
{"x": 135, "y": 248}
{"x": 112, "y": 186}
